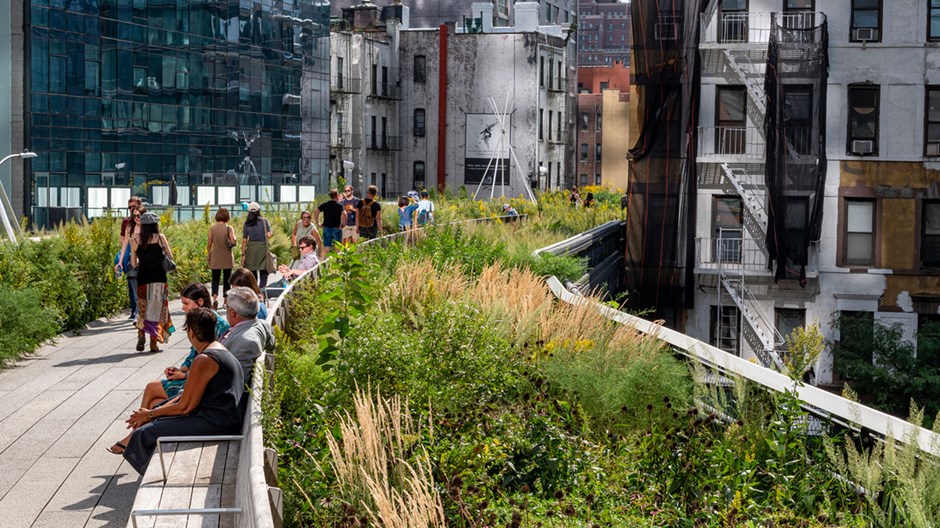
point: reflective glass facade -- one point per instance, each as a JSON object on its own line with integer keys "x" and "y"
{"x": 228, "y": 98}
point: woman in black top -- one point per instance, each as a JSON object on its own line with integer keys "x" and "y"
{"x": 208, "y": 406}
{"x": 147, "y": 253}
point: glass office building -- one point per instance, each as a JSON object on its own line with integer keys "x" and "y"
{"x": 182, "y": 102}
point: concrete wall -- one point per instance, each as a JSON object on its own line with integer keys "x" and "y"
{"x": 12, "y": 130}
{"x": 484, "y": 71}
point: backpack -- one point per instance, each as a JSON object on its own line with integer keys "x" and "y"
{"x": 424, "y": 214}
{"x": 366, "y": 218}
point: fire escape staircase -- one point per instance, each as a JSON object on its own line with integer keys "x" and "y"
{"x": 753, "y": 196}
{"x": 752, "y": 80}
{"x": 761, "y": 335}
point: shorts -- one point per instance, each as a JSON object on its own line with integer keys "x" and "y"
{"x": 369, "y": 232}
{"x": 351, "y": 232}
{"x": 331, "y": 235}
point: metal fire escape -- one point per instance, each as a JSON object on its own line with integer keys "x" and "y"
{"x": 740, "y": 53}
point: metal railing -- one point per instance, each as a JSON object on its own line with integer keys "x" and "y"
{"x": 346, "y": 141}
{"x": 342, "y": 84}
{"x": 754, "y": 28}
{"x": 723, "y": 143}
{"x": 729, "y": 254}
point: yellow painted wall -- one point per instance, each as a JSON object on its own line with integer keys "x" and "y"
{"x": 898, "y": 236}
{"x": 615, "y": 140}
{"x": 897, "y": 186}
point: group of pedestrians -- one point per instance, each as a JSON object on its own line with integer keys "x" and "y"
{"x": 206, "y": 393}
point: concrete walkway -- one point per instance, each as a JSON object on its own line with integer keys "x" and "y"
{"x": 59, "y": 410}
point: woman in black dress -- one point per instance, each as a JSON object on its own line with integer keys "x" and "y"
{"x": 147, "y": 253}
{"x": 208, "y": 406}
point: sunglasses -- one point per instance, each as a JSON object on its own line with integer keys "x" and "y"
{"x": 347, "y": 190}
{"x": 136, "y": 216}
{"x": 303, "y": 247}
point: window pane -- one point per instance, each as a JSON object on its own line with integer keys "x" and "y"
{"x": 727, "y": 213}
{"x": 858, "y": 248}
{"x": 932, "y": 218}
{"x": 934, "y": 25}
{"x": 731, "y": 106}
{"x": 865, "y": 19}
{"x": 871, "y": 4}
{"x": 858, "y": 217}
{"x": 933, "y": 104}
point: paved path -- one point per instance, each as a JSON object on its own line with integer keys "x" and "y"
{"x": 59, "y": 410}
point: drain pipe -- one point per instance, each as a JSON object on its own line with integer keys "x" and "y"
{"x": 442, "y": 110}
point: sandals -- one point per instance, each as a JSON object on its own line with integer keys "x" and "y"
{"x": 140, "y": 343}
{"x": 117, "y": 449}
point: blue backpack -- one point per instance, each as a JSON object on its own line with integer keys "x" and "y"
{"x": 424, "y": 215}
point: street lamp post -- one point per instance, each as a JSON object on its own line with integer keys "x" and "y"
{"x": 6, "y": 200}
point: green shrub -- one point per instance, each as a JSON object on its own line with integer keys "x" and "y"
{"x": 23, "y": 322}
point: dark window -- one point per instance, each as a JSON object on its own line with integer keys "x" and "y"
{"x": 930, "y": 235}
{"x": 597, "y": 179}
{"x": 863, "y": 120}
{"x": 932, "y": 130}
{"x": 856, "y": 330}
{"x": 419, "y": 175}
{"x": 789, "y": 319}
{"x": 933, "y": 20}
{"x": 419, "y": 124}
{"x": 384, "y": 132}
{"x": 730, "y": 119}
{"x": 584, "y": 121}
{"x": 603, "y": 85}
{"x": 733, "y": 19}
{"x": 374, "y": 143}
{"x": 865, "y": 21}
{"x": 541, "y": 132}
{"x": 598, "y": 121}
{"x": 550, "y": 127}
{"x": 800, "y": 14}
{"x": 339, "y": 73}
{"x": 727, "y": 222}
{"x": 796, "y": 223}
{"x": 597, "y": 152}
{"x": 859, "y": 232}
{"x": 421, "y": 73}
{"x": 798, "y": 117}
{"x": 725, "y": 328}
{"x": 558, "y": 132}
{"x": 583, "y": 180}
{"x": 584, "y": 153}
{"x": 541, "y": 71}
{"x": 385, "y": 81}
{"x": 375, "y": 79}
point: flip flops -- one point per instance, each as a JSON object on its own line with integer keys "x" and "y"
{"x": 117, "y": 449}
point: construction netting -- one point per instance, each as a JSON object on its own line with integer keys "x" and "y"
{"x": 795, "y": 133}
{"x": 661, "y": 191}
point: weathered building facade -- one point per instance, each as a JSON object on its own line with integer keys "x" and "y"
{"x": 803, "y": 165}
{"x": 487, "y": 108}
{"x": 603, "y": 33}
{"x": 365, "y": 94}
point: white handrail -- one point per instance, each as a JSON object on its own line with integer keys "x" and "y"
{"x": 837, "y": 408}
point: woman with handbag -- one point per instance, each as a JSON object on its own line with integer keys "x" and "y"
{"x": 255, "y": 254}
{"x": 152, "y": 257}
{"x": 219, "y": 250}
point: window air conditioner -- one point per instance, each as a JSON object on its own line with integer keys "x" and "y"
{"x": 863, "y": 146}
{"x": 933, "y": 149}
{"x": 864, "y": 34}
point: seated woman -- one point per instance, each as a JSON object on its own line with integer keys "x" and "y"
{"x": 193, "y": 296}
{"x": 208, "y": 406}
{"x": 244, "y": 277}
{"x": 307, "y": 261}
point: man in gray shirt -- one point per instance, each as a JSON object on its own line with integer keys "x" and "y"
{"x": 248, "y": 335}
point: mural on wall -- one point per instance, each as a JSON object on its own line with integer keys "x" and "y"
{"x": 486, "y": 155}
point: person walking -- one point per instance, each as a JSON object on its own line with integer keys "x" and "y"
{"x": 333, "y": 222}
{"x": 129, "y": 225}
{"x": 424, "y": 213}
{"x": 147, "y": 254}
{"x": 589, "y": 200}
{"x": 219, "y": 251}
{"x": 305, "y": 227}
{"x": 369, "y": 215}
{"x": 122, "y": 262}
{"x": 351, "y": 205}
{"x": 255, "y": 236}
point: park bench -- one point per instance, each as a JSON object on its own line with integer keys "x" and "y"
{"x": 211, "y": 481}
